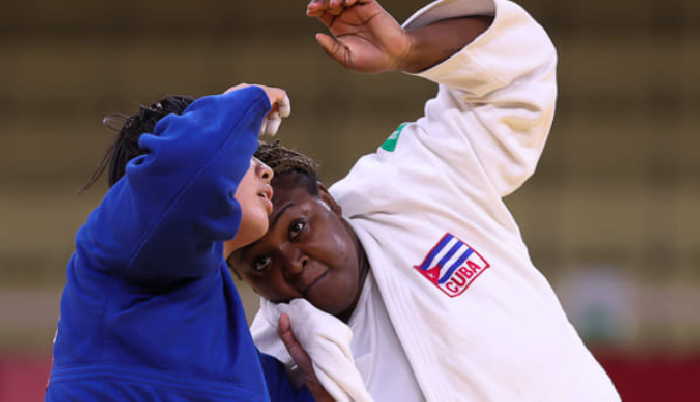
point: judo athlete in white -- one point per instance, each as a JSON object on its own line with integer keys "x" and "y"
{"x": 452, "y": 308}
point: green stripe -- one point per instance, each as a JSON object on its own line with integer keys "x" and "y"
{"x": 390, "y": 143}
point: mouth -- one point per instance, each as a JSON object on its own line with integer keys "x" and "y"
{"x": 310, "y": 286}
{"x": 266, "y": 195}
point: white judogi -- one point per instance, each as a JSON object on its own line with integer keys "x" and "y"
{"x": 377, "y": 352}
{"x": 475, "y": 319}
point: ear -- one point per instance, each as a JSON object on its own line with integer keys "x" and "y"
{"x": 328, "y": 199}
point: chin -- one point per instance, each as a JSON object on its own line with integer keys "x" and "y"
{"x": 332, "y": 309}
{"x": 333, "y": 300}
{"x": 254, "y": 226}
{"x": 259, "y": 230}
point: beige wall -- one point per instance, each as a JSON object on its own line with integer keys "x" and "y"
{"x": 615, "y": 196}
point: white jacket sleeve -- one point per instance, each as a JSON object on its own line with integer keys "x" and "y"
{"x": 497, "y": 94}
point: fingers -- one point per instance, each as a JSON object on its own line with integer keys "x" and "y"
{"x": 336, "y": 7}
{"x": 284, "y": 324}
{"x": 281, "y": 107}
{"x": 333, "y": 47}
{"x": 285, "y": 107}
{"x": 294, "y": 348}
{"x": 302, "y": 359}
{"x": 276, "y": 96}
{"x": 316, "y": 8}
{"x": 263, "y": 128}
{"x": 273, "y": 124}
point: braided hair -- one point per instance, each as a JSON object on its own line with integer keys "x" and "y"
{"x": 285, "y": 161}
{"x": 126, "y": 147}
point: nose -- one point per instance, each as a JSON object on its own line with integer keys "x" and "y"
{"x": 263, "y": 172}
{"x": 295, "y": 261}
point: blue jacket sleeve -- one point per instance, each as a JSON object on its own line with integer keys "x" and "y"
{"x": 165, "y": 220}
{"x": 278, "y": 385}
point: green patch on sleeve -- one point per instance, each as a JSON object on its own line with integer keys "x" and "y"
{"x": 390, "y": 143}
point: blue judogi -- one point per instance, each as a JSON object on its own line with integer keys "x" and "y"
{"x": 149, "y": 311}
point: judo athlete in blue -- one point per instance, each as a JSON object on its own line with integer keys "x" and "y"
{"x": 149, "y": 311}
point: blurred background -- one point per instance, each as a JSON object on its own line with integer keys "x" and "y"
{"x": 611, "y": 216}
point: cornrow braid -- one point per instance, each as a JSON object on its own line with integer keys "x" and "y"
{"x": 284, "y": 161}
{"x": 126, "y": 146}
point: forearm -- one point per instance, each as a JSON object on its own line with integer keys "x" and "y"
{"x": 161, "y": 221}
{"x": 436, "y": 42}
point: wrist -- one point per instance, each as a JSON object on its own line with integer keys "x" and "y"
{"x": 410, "y": 61}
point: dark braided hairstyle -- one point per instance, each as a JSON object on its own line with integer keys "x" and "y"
{"x": 285, "y": 161}
{"x": 126, "y": 147}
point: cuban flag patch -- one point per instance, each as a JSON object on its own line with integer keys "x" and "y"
{"x": 452, "y": 265}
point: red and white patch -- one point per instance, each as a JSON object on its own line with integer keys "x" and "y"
{"x": 452, "y": 265}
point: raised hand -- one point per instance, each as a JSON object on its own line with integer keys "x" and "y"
{"x": 365, "y": 36}
{"x": 281, "y": 107}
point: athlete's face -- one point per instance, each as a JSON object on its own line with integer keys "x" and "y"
{"x": 254, "y": 195}
{"x": 309, "y": 252}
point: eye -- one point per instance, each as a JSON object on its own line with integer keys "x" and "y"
{"x": 262, "y": 263}
{"x": 296, "y": 229}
